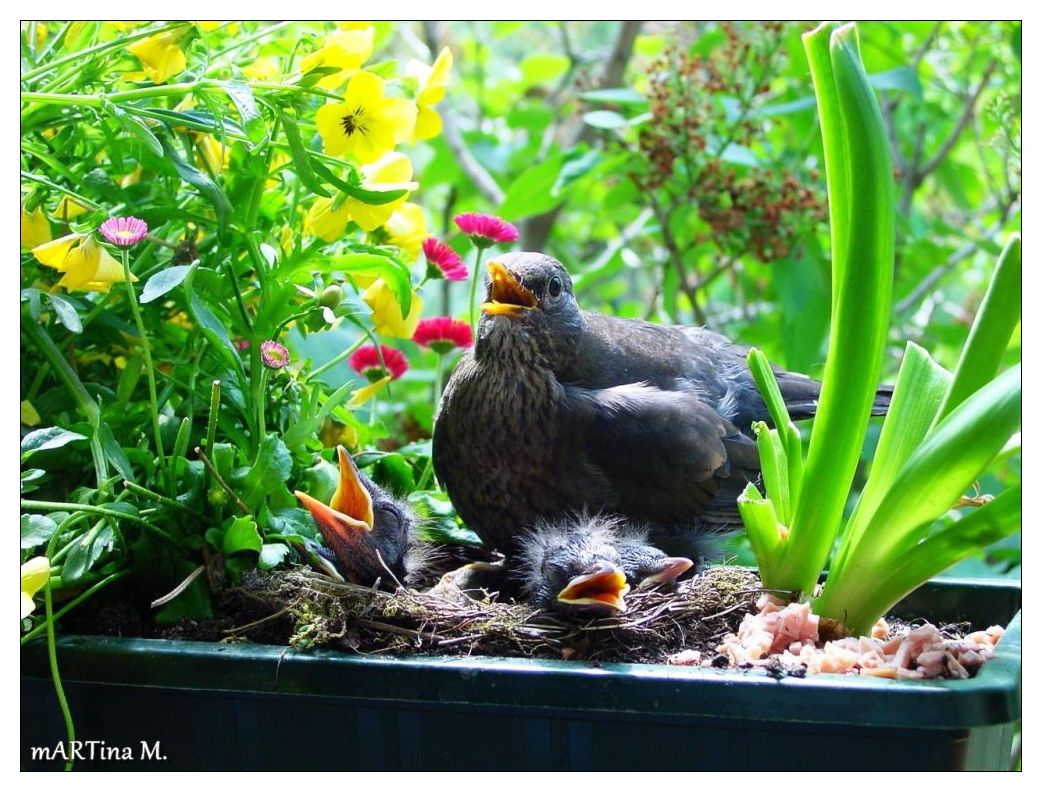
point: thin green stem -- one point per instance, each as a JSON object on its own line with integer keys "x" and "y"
{"x": 146, "y": 351}
{"x": 118, "y": 43}
{"x": 474, "y": 276}
{"x": 52, "y": 657}
{"x": 336, "y": 359}
{"x": 98, "y": 586}
{"x": 257, "y": 372}
{"x": 163, "y": 499}
{"x": 211, "y": 421}
{"x": 46, "y": 506}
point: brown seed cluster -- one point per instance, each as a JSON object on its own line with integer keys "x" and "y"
{"x": 702, "y": 108}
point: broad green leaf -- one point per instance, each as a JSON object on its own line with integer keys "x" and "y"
{"x": 241, "y": 535}
{"x": 163, "y": 281}
{"x": 269, "y": 471}
{"x": 542, "y": 67}
{"x": 47, "y": 439}
{"x": 37, "y": 529}
{"x": 85, "y": 552}
{"x": 290, "y": 522}
{"x": 66, "y": 313}
{"x": 902, "y": 78}
{"x": 532, "y": 192}
{"x": 605, "y": 119}
{"x": 620, "y": 96}
{"x": 395, "y": 274}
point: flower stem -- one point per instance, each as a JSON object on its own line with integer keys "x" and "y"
{"x": 150, "y": 373}
{"x": 339, "y": 358}
{"x": 474, "y": 289}
{"x": 257, "y": 372}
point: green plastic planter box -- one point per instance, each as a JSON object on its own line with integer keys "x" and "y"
{"x": 237, "y": 707}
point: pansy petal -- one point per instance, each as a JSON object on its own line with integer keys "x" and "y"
{"x": 54, "y": 253}
{"x": 365, "y": 393}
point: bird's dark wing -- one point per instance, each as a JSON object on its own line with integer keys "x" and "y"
{"x": 665, "y": 456}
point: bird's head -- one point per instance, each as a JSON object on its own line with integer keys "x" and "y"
{"x": 529, "y": 301}
{"x": 367, "y": 530}
{"x": 573, "y": 564}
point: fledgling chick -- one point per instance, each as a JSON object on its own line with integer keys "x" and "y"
{"x": 371, "y": 535}
{"x": 589, "y": 563}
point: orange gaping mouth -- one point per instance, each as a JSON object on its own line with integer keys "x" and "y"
{"x": 602, "y": 589}
{"x": 507, "y": 295}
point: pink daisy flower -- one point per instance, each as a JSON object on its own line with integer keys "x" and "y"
{"x": 443, "y": 261}
{"x": 274, "y": 355}
{"x": 366, "y": 361}
{"x": 123, "y": 231}
{"x": 486, "y": 230}
{"x": 443, "y": 334}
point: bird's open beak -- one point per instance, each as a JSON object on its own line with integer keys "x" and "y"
{"x": 670, "y": 570}
{"x": 346, "y": 522}
{"x": 507, "y": 297}
{"x": 604, "y": 589}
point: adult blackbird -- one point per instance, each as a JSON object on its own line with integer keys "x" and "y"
{"x": 558, "y": 410}
{"x": 371, "y": 535}
{"x": 590, "y": 563}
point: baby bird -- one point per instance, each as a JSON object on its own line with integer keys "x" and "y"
{"x": 590, "y": 563}
{"x": 371, "y": 535}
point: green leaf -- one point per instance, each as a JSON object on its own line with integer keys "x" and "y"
{"x": 996, "y": 319}
{"x": 301, "y": 159}
{"x": 163, "y": 281}
{"x": 604, "y": 119}
{"x": 85, "y": 552}
{"x": 620, "y": 96}
{"x": 66, "y": 313}
{"x": 395, "y": 274}
{"x": 532, "y": 193}
{"x": 213, "y": 328}
{"x": 250, "y": 116}
{"x": 763, "y": 529}
{"x": 542, "y": 67}
{"x": 47, "y": 439}
{"x": 291, "y": 522}
{"x": 902, "y": 78}
{"x": 574, "y": 168}
{"x": 206, "y": 186}
{"x": 269, "y": 471}
{"x": 113, "y": 452}
{"x": 241, "y": 535}
{"x": 37, "y": 529}
{"x": 374, "y": 197}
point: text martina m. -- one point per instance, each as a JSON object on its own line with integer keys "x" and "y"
{"x": 97, "y": 750}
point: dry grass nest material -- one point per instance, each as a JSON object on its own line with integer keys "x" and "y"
{"x": 695, "y": 614}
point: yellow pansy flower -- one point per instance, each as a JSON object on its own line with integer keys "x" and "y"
{"x": 432, "y": 81}
{"x": 160, "y": 55}
{"x": 210, "y": 25}
{"x": 325, "y": 220}
{"x": 366, "y": 124}
{"x": 29, "y": 416}
{"x": 392, "y": 171}
{"x": 287, "y": 240}
{"x": 407, "y": 228}
{"x": 35, "y": 574}
{"x": 86, "y": 264}
{"x": 69, "y": 208}
{"x": 35, "y": 228}
{"x": 387, "y": 314}
{"x": 366, "y": 392}
{"x": 345, "y": 50}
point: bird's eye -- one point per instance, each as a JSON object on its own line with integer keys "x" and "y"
{"x": 553, "y": 288}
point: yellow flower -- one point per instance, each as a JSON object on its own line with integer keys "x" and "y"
{"x": 86, "y": 264}
{"x": 35, "y": 574}
{"x": 345, "y": 50}
{"x": 211, "y": 153}
{"x": 392, "y": 171}
{"x": 264, "y": 69}
{"x": 387, "y": 314}
{"x": 131, "y": 178}
{"x": 432, "y": 81}
{"x": 287, "y": 240}
{"x": 35, "y": 228}
{"x": 325, "y": 220}
{"x": 407, "y": 228}
{"x": 365, "y": 393}
{"x": 209, "y": 26}
{"x": 29, "y": 415}
{"x": 366, "y": 124}
{"x": 69, "y": 208}
{"x": 160, "y": 55}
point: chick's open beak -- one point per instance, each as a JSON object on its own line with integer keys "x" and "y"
{"x": 603, "y": 589}
{"x": 346, "y": 522}
{"x": 507, "y": 297}
{"x": 669, "y": 570}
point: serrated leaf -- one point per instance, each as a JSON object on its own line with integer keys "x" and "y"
{"x": 269, "y": 471}
{"x": 163, "y": 281}
{"x": 241, "y": 535}
{"x": 47, "y": 439}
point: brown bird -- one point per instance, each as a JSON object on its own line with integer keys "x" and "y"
{"x": 558, "y": 410}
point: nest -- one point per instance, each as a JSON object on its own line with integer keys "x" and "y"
{"x": 314, "y": 610}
